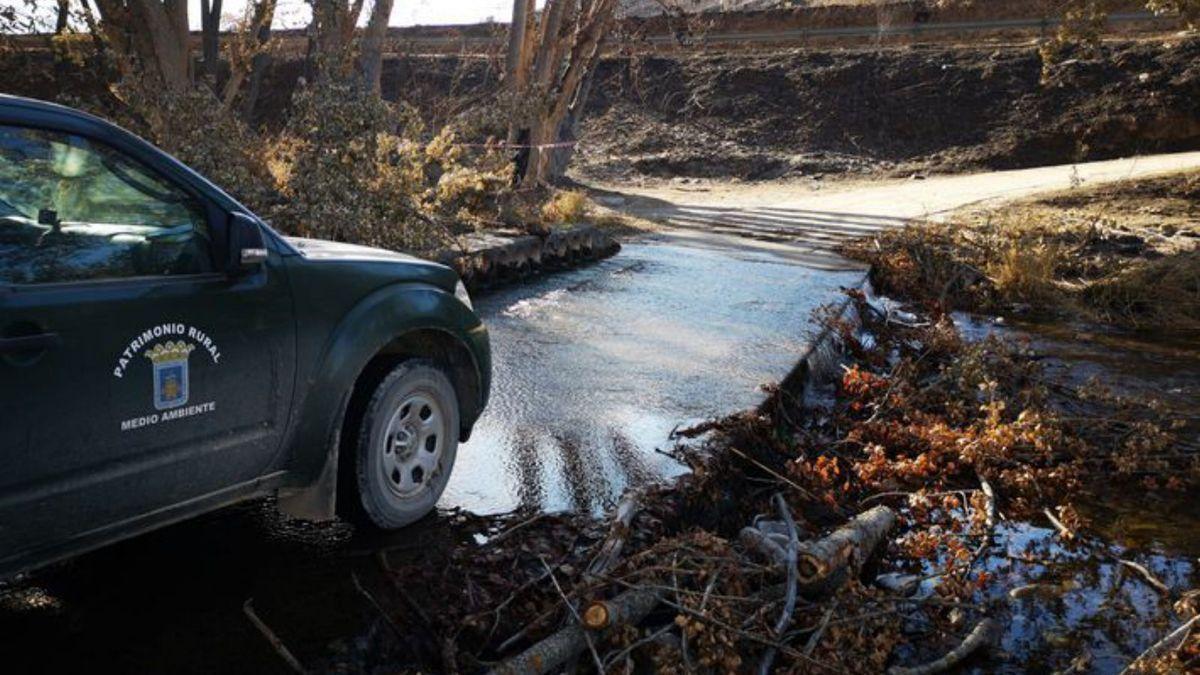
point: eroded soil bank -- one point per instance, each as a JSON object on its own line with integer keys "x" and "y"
{"x": 892, "y": 109}
{"x": 810, "y": 112}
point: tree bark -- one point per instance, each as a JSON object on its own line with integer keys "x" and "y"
{"x": 847, "y": 547}
{"x": 370, "y": 59}
{"x": 618, "y": 534}
{"x": 516, "y": 40}
{"x": 826, "y": 563}
{"x": 64, "y": 13}
{"x": 629, "y": 608}
{"x": 155, "y": 32}
{"x": 264, "y": 14}
{"x": 210, "y": 38}
{"x": 549, "y": 42}
{"x": 240, "y": 69}
{"x": 560, "y": 85}
{"x": 332, "y": 29}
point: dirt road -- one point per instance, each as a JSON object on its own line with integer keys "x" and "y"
{"x": 803, "y": 221}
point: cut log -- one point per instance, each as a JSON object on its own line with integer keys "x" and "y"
{"x": 629, "y": 608}
{"x": 756, "y": 540}
{"x": 845, "y": 549}
{"x": 985, "y": 635}
{"x": 827, "y": 563}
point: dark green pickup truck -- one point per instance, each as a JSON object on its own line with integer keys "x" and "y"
{"x": 164, "y": 353}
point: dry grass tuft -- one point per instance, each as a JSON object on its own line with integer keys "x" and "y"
{"x": 566, "y": 206}
{"x": 1126, "y": 254}
{"x": 1160, "y": 292}
{"x": 1026, "y": 274}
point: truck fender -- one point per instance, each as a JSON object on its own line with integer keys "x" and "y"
{"x": 379, "y": 320}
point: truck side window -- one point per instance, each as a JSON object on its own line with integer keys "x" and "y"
{"x": 72, "y": 209}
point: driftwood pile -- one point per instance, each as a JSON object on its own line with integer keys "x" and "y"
{"x": 812, "y": 569}
{"x": 848, "y": 535}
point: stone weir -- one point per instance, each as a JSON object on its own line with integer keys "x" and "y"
{"x": 488, "y": 259}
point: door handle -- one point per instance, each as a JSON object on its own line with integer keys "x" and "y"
{"x": 29, "y": 343}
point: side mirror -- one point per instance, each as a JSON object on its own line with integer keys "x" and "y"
{"x": 247, "y": 250}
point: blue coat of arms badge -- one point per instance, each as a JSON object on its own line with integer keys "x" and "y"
{"x": 170, "y": 361}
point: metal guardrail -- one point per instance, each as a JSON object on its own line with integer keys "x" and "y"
{"x": 1043, "y": 24}
{"x": 801, "y": 34}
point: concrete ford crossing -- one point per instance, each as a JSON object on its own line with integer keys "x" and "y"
{"x": 164, "y": 353}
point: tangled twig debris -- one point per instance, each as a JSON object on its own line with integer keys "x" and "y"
{"x": 693, "y": 577}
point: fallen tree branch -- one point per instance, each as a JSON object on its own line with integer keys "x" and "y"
{"x": 1058, "y": 525}
{"x": 1171, "y": 642}
{"x": 824, "y": 564}
{"x": 587, "y": 639}
{"x": 774, "y": 474}
{"x": 789, "y": 563}
{"x": 276, "y": 644}
{"x": 985, "y": 634}
{"x": 1146, "y": 574}
{"x": 815, "y": 638}
{"x": 990, "y": 506}
{"x": 755, "y": 539}
{"x": 844, "y": 549}
{"x": 618, "y": 534}
{"x": 391, "y": 623}
{"x": 629, "y": 607}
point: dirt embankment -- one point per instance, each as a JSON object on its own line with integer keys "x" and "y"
{"x": 762, "y": 17}
{"x": 805, "y": 112}
{"x": 902, "y": 110}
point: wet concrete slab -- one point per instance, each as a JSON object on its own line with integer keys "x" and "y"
{"x": 594, "y": 367}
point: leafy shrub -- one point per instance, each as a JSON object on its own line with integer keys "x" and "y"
{"x": 193, "y": 127}
{"x": 352, "y": 167}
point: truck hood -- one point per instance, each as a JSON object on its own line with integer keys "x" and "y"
{"x": 322, "y": 250}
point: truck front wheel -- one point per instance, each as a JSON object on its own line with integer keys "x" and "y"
{"x": 406, "y": 445}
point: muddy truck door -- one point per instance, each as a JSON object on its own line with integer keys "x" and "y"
{"x": 141, "y": 379}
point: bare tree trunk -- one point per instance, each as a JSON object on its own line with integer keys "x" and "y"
{"x": 550, "y": 43}
{"x": 210, "y": 38}
{"x": 264, "y": 14}
{"x": 549, "y": 69}
{"x": 521, "y": 44}
{"x": 153, "y": 31}
{"x": 370, "y": 59}
{"x": 562, "y": 88}
{"x": 560, "y": 158}
{"x": 332, "y": 30}
{"x": 251, "y": 63}
{"x": 516, "y": 40}
{"x": 93, "y": 26}
{"x": 64, "y": 13}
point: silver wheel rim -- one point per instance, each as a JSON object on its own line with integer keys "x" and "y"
{"x": 411, "y": 457}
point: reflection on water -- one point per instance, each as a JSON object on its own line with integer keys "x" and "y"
{"x": 1090, "y": 607}
{"x": 593, "y": 368}
{"x": 1078, "y": 601}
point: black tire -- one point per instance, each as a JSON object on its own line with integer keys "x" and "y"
{"x": 396, "y": 483}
